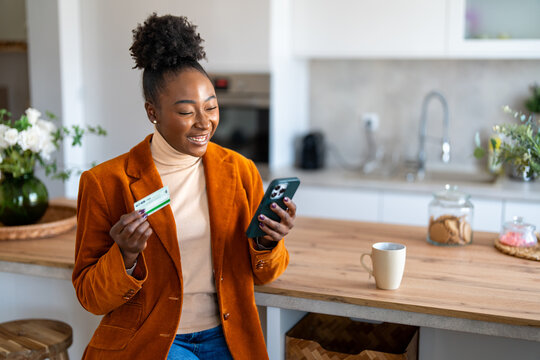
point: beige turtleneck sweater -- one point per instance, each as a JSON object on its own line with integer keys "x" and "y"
{"x": 184, "y": 174}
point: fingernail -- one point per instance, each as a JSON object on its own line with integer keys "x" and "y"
{"x": 274, "y": 205}
{"x": 261, "y": 217}
{"x": 286, "y": 199}
{"x": 261, "y": 225}
{"x": 145, "y": 216}
{"x": 141, "y": 211}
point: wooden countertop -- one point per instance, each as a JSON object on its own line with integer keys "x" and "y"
{"x": 474, "y": 282}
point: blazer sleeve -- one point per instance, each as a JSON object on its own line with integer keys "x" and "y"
{"x": 99, "y": 276}
{"x": 267, "y": 265}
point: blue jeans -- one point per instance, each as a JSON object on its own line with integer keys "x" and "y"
{"x": 203, "y": 345}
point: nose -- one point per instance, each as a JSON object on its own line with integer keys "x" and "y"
{"x": 203, "y": 121}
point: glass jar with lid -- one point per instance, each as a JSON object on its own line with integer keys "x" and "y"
{"x": 450, "y": 218}
{"x": 518, "y": 233}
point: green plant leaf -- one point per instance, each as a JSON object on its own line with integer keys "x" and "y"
{"x": 493, "y": 143}
{"x": 479, "y": 152}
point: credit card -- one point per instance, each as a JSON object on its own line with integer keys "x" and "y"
{"x": 154, "y": 201}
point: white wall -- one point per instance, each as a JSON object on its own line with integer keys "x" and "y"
{"x": 289, "y": 88}
{"x": 27, "y": 297}
{"x": 235, "y": 36}
{"x": 44, "y": 67}
{"x": 81, "y": 69}
{"x": 12, "y": 25}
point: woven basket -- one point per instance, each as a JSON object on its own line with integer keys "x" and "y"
{"x": 530, "y": 253}
{"x": 59, "y": 218}
{"x": 326, "y": 337}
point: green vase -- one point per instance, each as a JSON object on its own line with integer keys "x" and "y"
{"x": 23, "y": 199}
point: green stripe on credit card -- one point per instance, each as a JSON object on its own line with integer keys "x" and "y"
{"x": 154, "y": 201}
{"x": 151, "y": 211}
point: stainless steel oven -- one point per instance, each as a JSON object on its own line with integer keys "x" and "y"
{"x": 244, "y": 101}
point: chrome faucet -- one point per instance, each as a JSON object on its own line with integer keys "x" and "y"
{"x": 445, "y": 155}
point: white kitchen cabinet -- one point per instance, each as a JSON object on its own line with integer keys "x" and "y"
{"x": 416, "y": 29}
{"x": 493, "y": 29}
{"x": 405, "y": 208}
{"x": 368, "y": 28}
{"x": 337, "y": 203}
{"x": 530, "y": 211}
{"x": 487, "y": 214}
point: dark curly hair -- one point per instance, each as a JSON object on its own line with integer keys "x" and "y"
{"x": 165, "y": 45}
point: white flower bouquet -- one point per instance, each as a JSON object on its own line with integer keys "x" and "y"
{"x": 32, "y": 138}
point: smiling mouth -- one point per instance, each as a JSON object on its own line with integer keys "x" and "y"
{"x": 199, "y": 140}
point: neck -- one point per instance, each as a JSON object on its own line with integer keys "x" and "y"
{"x": 164, "y": 154}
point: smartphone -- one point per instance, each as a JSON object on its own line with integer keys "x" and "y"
{"x": 276, "y": 191}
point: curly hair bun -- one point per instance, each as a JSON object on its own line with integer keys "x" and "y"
{"x": 164, "y": 42}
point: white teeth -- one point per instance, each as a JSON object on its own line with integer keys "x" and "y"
{"x": 199, "y": 139}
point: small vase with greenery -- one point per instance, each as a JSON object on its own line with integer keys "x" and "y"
{"x": 23, "y": 142}
{"x": 516, "y": 145}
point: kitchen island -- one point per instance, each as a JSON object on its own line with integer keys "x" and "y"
{"x": 473, "y": 289}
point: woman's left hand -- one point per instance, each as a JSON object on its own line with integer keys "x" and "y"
{"x": 274, "y": 230}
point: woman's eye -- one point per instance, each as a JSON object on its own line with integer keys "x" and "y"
{"x": 212, "y": 108}
{"x": 184, "y": 113}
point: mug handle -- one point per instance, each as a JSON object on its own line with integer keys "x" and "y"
{"x": 369, "y": 270}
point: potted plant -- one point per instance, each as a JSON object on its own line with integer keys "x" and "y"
{"x": 23, "y": 142}
{"x": 515, "y": 145}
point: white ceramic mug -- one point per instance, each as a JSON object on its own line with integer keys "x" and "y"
{"x": 388, "y": 260}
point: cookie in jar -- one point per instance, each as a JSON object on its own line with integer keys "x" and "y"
{"x": 450, "y": 218}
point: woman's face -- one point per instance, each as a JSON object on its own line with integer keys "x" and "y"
{"x": 187, "y": 112}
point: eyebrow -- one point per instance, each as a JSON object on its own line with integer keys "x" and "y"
{"x": 193, "y": 102}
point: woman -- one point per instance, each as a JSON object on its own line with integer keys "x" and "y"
{"x": 176, "y": 284}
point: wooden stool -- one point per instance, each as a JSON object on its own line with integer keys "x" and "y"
{"x": 35, "y": 339}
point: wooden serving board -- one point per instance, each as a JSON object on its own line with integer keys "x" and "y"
{"x": 59, "y": 218}
{"x": 55, "y": 251}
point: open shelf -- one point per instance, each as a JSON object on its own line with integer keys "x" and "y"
{"x": 13, "y": 46}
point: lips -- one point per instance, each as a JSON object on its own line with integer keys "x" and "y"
{"x": 199, "y": 139}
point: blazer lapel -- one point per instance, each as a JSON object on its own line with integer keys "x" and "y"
{"x": 221, "y": 184}
{"x": 140, "y": 166}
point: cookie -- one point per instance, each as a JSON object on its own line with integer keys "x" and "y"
{"x": 450, "y": 229}
{"x": 452, "y": 225}
{"x": 438, "y": 232}
{"x": 466, "y": 232}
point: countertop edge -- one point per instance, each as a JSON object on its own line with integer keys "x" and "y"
{"x": 501, "y": 189}
{"x": 398, "y": 316}
{"x": 32, "y": 269}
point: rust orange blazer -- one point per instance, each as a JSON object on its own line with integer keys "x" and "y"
{"x": 142, "y": 312}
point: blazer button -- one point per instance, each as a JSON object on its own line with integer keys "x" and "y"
{"x": 226, "y": 316}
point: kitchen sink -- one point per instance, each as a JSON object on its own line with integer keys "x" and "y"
{"x": 454, "y": 177}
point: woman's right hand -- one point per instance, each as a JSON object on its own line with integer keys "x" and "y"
{"x": 131, "y": 233}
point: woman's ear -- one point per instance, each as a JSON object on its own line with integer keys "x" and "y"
{"x": 150, "y": 112}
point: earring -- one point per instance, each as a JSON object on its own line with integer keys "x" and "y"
{"x": 154, "y": 121}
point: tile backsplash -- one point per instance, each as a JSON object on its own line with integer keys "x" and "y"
{"x": 476, "y": 90}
